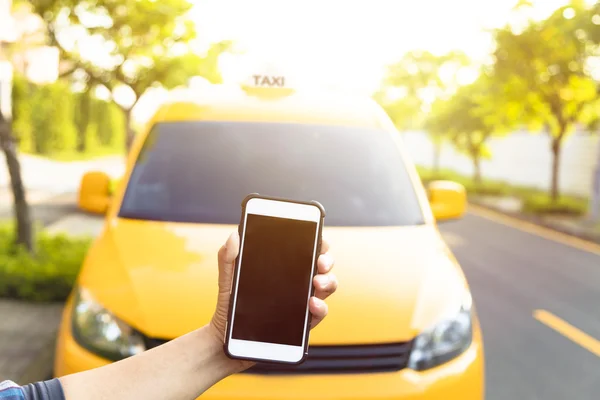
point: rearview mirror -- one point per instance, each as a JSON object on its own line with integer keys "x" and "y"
{"x": 448, "y": 199}
{"x": 94, "y": 192}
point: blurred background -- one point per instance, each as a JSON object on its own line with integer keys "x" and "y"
{"x": 502, "y": 96}
{"x": 501, "y": 93}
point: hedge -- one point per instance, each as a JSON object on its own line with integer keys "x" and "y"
{"x": 534, "y": 201}
{"x": 64, "y": 121}
{"x": 47, "y": 276}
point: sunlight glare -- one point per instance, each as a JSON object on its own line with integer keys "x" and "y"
{"x": 569, "y": 13}
{"x": 347, "y": 44}
{"x": 395, "y": 93}
{"x": 467, "y": 75}
{"x": 344, "y": 45}
{"x": 124, "y": 96}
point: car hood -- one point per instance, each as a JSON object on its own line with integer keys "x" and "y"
{"x": 161, "y": 278}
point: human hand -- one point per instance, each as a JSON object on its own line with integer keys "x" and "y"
{"x": 325, "y": 284}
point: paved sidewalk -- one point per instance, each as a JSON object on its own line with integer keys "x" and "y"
{"x": 28, "y": 330}
{"x": 46, "y": 210}
{"x": 57, "y": 177}
{"x": 79, "y": 224}
{"x": 27, "y": 335}
{"x": 33, "y": 196}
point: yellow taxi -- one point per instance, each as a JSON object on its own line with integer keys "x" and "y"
{"x": 401, "y": 326}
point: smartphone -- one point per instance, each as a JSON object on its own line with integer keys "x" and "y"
{"x": 280, "y": 241}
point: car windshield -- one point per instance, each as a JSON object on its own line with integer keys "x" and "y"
{"x": 201, "y": 171}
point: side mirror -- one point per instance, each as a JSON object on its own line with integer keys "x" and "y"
{"x": 94, "y": 192}
{"x": 448, "y": 199}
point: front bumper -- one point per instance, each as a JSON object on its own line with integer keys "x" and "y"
{"x": 461, "y": 378}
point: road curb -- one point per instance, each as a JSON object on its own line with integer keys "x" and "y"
{"x": 540, "y": 221}
{"x": 537, "y": 227}
{"x": 40, "y": 369}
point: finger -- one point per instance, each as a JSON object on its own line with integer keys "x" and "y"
{"x": 318, "y": 308}
{"x": 324, "y": 246}
{"x": 227, "y": 254}
{"x": 325, "y": 285}
{"x": 325, "y": 263}
{"x": 229, "y": 250}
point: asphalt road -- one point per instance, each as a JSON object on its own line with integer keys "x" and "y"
{"x": 512, "y": 273}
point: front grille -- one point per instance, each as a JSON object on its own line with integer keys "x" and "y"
{"x": 344, "y": 359}
{"x": 348, "y": 359}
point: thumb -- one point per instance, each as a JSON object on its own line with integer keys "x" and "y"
{"x": 227, "y": 255}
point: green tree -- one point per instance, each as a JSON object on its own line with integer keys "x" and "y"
{"x": 22, "y": 213}
{"x": 435, "y": 124}
{"x": 590, "y": 23}
{"x": 413, "y": 83}
{"x": 8, "y": 144}
{"x": 544, "y": 67}
{"x": 471, "y": 116}
{"x": 143, "y": 44}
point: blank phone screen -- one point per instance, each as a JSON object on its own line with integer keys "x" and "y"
{"x": 274, "y": 280}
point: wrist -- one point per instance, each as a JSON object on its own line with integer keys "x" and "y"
{"x": 216, "y": 343}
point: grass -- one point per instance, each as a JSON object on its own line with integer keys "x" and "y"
{"x": 534, "y": 201}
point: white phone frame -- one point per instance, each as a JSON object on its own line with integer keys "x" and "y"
{"x": 263, "y": 350}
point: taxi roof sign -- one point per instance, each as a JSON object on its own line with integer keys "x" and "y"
{"x": 264, "y": 73}
{"x": 265, "y": 85}
{"x": 268, "y": 80}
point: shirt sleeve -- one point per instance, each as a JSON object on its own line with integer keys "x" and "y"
{"x": 48, "y": 390}
{"x": 10, "y": 391}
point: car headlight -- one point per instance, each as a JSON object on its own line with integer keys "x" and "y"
{"x": 99, "y": 331}
{"x": 444, "y": 341}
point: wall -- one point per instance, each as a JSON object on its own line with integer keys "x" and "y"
{"x": 521, "y": 158}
